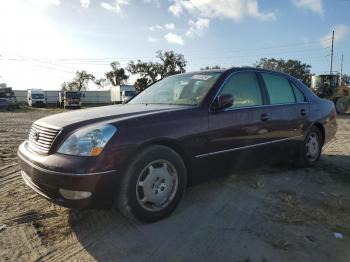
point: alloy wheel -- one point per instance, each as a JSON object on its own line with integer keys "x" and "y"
{"x": 312, "y": 147}
{"x": 157, "y": 185}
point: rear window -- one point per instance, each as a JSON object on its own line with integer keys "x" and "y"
{"x": 279, "y": 89}
{"x": 298, "y": 94}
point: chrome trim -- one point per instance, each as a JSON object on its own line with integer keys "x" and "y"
{"x": 46, "y": 139}
{"x": 246, "y": 147}
{"x": 63, "y": 173}
{"x": 261, "y": 106}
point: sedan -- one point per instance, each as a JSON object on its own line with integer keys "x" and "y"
{"x": 141, "y": 156}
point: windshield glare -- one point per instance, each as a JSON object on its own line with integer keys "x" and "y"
{"x": 184, "y": 89}
{"x": 37, "y": 96}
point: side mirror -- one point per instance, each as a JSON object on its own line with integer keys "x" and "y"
{"x": 222, "y": 101}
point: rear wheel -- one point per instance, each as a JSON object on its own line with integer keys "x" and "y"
{"x": 153, "y": 184}
{"x": 311, "y": 148}
{"x": 341, "y": 105}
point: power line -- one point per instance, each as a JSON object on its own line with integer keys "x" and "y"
{"x": 104, "y": 59}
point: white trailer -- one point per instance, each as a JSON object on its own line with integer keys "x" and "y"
{"x": 36, "y": 97}
{"x": 122, "y": 93}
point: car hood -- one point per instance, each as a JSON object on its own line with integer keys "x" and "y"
{"x": 104, "y": 113}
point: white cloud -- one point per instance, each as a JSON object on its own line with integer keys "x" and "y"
{"x": 152, "y": 39}
{"x": 159, "y": 27}
{"x": 169, "y": 26}
{"x": 174, "y": 39}
{"x": 340, "y": 32}
{"x": 197, "y": 28}
{"x": 85, "y": 3}
{"x": 315, "y": 6}
{"x": 117, "y": 7}
{"x": 54, "y": 2}
{"x": 38, "y": 4}
{"x": 232, "y": 9}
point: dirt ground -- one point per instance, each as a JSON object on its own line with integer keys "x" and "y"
{"x": 271, "y": 213}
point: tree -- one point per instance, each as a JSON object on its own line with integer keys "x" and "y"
{"x": 172, "y": 63}
{"x": 142, "y": 83}
{"x": 101, "y": 82}
{"x": 117, "y": 75}
{"x": 79, "y": 82}
{"x": 294, "y": 68}
{"x": 212, "y": 67}
{"x": 149, "y": 72}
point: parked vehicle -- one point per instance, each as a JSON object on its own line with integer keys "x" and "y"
{"x": 8, "y": 94}
{"x": 122, "y": 93}
{"x": 4, "y": 104}
{"x": 36, "y": 97}
{"x": 329, "y": 87}
{"x": 70, "y": 99}
{"x": 142, "y": 155}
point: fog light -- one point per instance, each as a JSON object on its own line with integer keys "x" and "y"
{"x": 74, "y": 195}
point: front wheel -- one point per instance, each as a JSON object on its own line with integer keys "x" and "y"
{"x": 153, "y": 185}
{"x": 311, "y": 148}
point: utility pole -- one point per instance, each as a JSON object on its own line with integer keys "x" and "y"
{"x": 341, "y": 69}
{"x": 331, "y": 69}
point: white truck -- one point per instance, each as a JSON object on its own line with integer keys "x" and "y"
{"x": 70, "y": 99}
{"x": 36, "y": 97}
{"x": 122, "y": 93}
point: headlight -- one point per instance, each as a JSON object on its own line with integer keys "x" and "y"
{"x": 88, "y": 141}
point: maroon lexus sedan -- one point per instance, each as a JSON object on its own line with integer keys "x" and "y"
{"x": 141, "y": 156}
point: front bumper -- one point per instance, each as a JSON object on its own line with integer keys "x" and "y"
{"x": 47, "y": 180}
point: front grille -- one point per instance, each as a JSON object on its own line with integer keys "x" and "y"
{"x": 41, "y": 138}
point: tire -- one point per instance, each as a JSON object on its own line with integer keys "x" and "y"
{"x": 153, "y": 184}
{"x": 311, "y": 148}
{"x": 341, "y": 105}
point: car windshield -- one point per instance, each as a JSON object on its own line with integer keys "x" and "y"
{"x": 130, "y": 93}
{"x": 73, "y": 95}
{"x": 37, "y": 96}
{"x": 184, "y": 89}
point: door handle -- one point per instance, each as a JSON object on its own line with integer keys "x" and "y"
{"x": 264, "y": 117}
{"x": 303, "y": 112}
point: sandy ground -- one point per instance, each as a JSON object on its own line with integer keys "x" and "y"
{"x": 271, "y": 213}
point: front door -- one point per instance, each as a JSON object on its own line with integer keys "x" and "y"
{"x": 243, "y": 125}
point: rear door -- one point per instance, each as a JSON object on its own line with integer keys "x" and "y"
{"x": 288, "y": 108}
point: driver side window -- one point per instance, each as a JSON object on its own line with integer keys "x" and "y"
{"x": 245, "y": 89}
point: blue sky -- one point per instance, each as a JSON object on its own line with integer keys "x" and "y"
{"x": 42, "y": 43}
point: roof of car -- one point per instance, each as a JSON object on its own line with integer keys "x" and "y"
{"x": 233, "y": 69}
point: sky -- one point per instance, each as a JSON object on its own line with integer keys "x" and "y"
{"x": 43, "y": 42}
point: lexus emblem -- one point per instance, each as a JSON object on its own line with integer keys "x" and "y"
{"x": 36, "y": 135}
